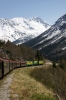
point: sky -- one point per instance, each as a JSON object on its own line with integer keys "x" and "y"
{"x": 47, "y": 10}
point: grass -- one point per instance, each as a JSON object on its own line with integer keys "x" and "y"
{"x": 24, "y": 87}
{"x": 52, "y": 78}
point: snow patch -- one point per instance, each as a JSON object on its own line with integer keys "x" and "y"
{"x": 13, "y": 29}
{"x": 64, "y": 48}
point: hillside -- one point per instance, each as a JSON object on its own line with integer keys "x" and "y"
{"x": 16, "y": 52}
{"x": 27, "y": 88}
{"x": 52, "y": 43}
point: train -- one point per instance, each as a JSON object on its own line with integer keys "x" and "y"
{"x": 7, "y": 66}
{"x": 34, "y": 63}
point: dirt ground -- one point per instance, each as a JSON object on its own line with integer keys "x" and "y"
{"x": 4, "y": 88}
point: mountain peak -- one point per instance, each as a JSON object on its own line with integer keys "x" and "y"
{"x": 64, "y": 16}
{"x": 61, "y": 20}
{"x": 21, "y": 29}
{"x": 38, "y": 19}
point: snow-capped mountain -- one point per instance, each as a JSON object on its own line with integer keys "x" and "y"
{"x": 21, "y": 29}
{"x": 52, "y": 41}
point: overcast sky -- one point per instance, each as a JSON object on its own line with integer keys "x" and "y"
{"x": 48, "y": 10}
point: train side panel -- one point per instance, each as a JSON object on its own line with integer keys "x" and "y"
{"x": 1, "y": 69}
{"x": 6, "y": 67}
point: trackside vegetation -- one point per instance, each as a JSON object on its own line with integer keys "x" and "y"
{"x": 24, "y": 87}
{"x": 53, "y": 77}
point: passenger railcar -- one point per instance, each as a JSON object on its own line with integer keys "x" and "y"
{"x": 7, "y": 65}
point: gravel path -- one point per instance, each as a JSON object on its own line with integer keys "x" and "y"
{"x": 4, "y": 89}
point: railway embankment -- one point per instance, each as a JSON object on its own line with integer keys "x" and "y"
{"x": 20, "y": 85}
{"x": 24, "y": 87}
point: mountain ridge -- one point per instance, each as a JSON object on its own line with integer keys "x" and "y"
{"x": 21, "y": 29}
{"x": 52, "y": 41}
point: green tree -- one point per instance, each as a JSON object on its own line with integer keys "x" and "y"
{"x": 63, "y": 64}
{"x": 54, "y": 65}
{"x": 38, "y": 56}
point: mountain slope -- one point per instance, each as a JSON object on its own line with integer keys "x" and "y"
{"x": 53, "y": 41}
{"x": 21, "y": 29}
